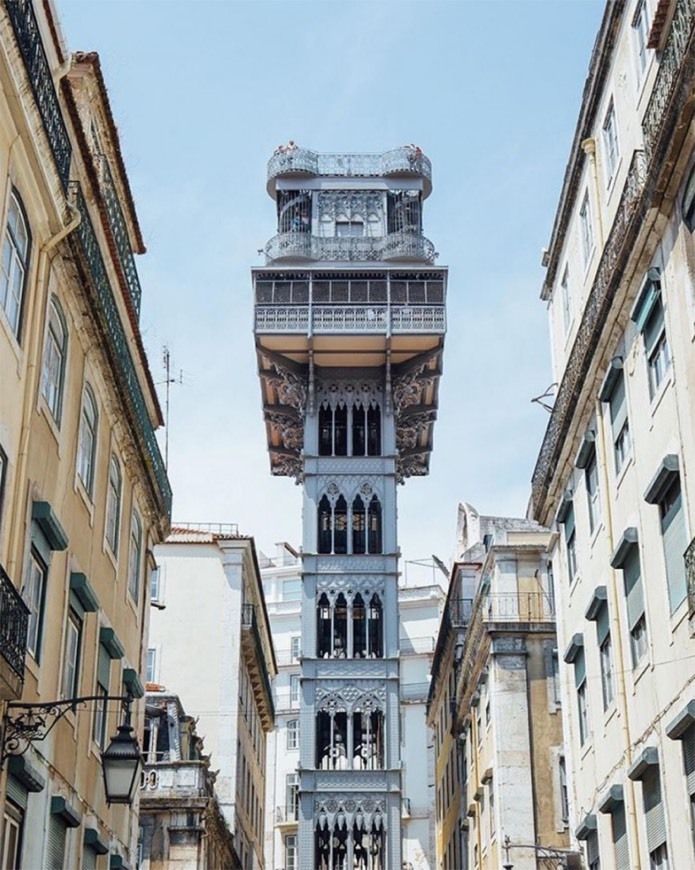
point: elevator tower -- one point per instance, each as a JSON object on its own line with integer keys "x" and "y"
{"x": 349, "y": 326}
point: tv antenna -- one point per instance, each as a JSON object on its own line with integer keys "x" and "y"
{"x": 168, "y": 381}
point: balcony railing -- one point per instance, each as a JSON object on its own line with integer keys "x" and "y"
{"x": 353, "y": 287}
{"x": 118, "y": 343}
{"x": 350, "y": 319}
{"x": 395, "y": 246}
{"x": 690, "y": 575}
{"x": 286, "y": 815}
{"x": 120, "y": 234}
{"x": 26, "y": 29}
{"x": 459, "y": 611}
{"x": 407, "y": 160}
{"x": 14, "y": 622}
{"x": 519, "y": 607}
{"x": 173, "y": 779}
{"x": 249, "y": 622}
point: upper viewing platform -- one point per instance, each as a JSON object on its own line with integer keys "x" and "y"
{"x": 337, "y": 208}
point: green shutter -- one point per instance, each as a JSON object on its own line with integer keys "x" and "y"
{"x": 633, "y": 587}
{"x": 579, "y": 668}
{"x": 104, "y": 667}
{"x": 569, "y": 523}
{"x": 89, "y": 858}
{"x": 16, "y": 792}
{"x": 592, "y": 853}
{"x": 618, "y": 406}
{"x": 620, "y": 842}
{"x": 602, "y": 624}
{"x": 675, "y": 544}
{"x": 55, "y": 843}
{"x": 655, "y": 819}
{"x": 688, "y": 741}
{"x": 654, "y": 326}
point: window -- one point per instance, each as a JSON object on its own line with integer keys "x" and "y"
{"x": 294, "y": 689}
{"x": 606, "y": 655}
{"x": 349, "y": 229}
{"x": 134, "y": 556}
{"x": 151, "y": 675}
{"x": 87, "y": 443}
{"x": 54, "y": 359}
{"x": 621, "y": 848}
{"x": 675, "y": 542}
{"x": 3, "y": 473}
{"x": 613, "y": 393}
{"x": 292, "y": 590}
{"x": 634, "y": 596}
{"x": 295, "y": 647}
{"x": 293, "y": 734}
{"x": 586, "y": 229}
{"x": 656, "y": 345}
{"x": 592, "y": 493}
{"x": 658, "y": 858}
{"x": 564, "y": 793}
{"x": 113, "y": 505}
{"x": 71, "y": 655}
{"x": 610, "y": 142}
{"x": 291, "y": 852}
{"x": 654, "y": 817}
{"x": 566, "y": 300}
{"x": 102, "y": 690}
{"x": 640, "y": 30}
{"x": 15, "y": 261}
{"x": 12, "y": 835}
{"x": 156, "y": 585}
{"x": 571, "y": 543}
{"x": 292, "y": 797}
{"x": 35, "y": 597}
{"x": 593, "y": 858}
{"x": 579, "y": 661}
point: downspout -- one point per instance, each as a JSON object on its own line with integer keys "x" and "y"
{"x": 589, "y": 148}
{"x": 31, "y": 379}
{"x": 616, "y": 632}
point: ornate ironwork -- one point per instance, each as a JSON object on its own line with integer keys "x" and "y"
{"x": 362, "y": 248}
{"x": 616, "y": 251}
{"x": 118, "y": 346}
{"x": 24, "y": 724}
{"x": 677, "y": 53}
{"x": 689, "y": 558}
{"x": 406, "y": 160}
{"x": 320, "y": 288}
{"x": 349, "y": 319}
{"x": 249, "y": 621}
{"x": 120, "y": 233}
{"x": 14, "y": 622}
{"x": 28, "y": 35}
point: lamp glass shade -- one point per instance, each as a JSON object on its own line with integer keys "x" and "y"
{"x": 120, "y": 763}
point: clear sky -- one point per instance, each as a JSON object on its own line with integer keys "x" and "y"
{"x": 203, "y": 92}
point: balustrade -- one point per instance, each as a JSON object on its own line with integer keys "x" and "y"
{"x": 120, "y": 234}
{"x": 403, "y": 245}
{"x": 406, "y": 160}
{"x": 14, "y": 622}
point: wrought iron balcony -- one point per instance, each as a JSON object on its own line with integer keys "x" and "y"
{"x": 250, "y": 623}
{"x": 120, "y": 234}
{"x": 395, "y": 246}
{"x": 119, "y": 346}
{"x": 350, "y": 319}
{"x": 26, "y": 30}
{"x": 690, "y": 575}
{"x": 14, "y": 622}
{"x": 407, "y": 160}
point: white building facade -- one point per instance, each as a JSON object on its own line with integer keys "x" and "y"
{"x": 349, "y": 326}
{"x": 615, "y": 469}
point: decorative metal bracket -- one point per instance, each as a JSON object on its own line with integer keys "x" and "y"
{"x": 23, "y": 724}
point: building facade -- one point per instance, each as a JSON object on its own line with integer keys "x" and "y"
{"x": 222, "y": 664}
{"x": 349, "y": 326}
{"x": 420, "y": 604}
{"x": 84, "y": 495}
{"x": 181, "y": 825}
{"x": 615, "y": 469}
{"x": 494, "y": 704}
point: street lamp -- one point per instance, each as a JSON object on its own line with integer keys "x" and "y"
{"x": 23, "y": 724}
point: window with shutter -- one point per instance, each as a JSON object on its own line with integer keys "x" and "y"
{"x": 89, "y": 858}
{"x": 620, "y": 424}
{"x": 593, "y": 858}
{"x": 12, "y": 832}
{"x": 55, "y": 843}
{"x": 620, "y": 842}
{"x": 688, "y": 743}
{"x": 655, "y": 820}
{"x": 675, "y": 542}
{"x": 634, "y": 595}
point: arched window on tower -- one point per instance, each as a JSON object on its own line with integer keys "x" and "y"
{"x": 359, "y": 627}
{"x": 324, "y": 627}
{"x": 325, "y": 526}
{"x": 368, "y": 740}
{"x": 374, "y": 542}
{"x": 359, "y": 430}
{"x": 340, "y": 526}
{"x": 340, "y": 628}
{"x": 359, "y": 525}
{"x": 374, "y": 431}
{"x": 331, "y": 740}
{"x": 325, "y": 431}
{"x": 375, "y": 627}
{"x": 340, "y": 445}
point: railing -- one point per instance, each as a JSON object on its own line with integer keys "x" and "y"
{"x": 518, "y": 607}
{"x": 248, "y": 621}
{"x": 14, "y": 622}
{"x": 689, "y": 558}
{"x": 120, "y": 234}
{"x": 171, "y": 778}
{"x": 286, "y": 815}
{"x": 361, "y": 248}
{"x": 350, "y": 319}
{"x": 671, "y": 62}
{"x": 606, "y": 282}
{"x": 407, "y": 160}
{"x": 357, "y": 288}
{"x": 119, "y": 344}
{"x": 230, "y": 529}
{"x": 459, "y": 611}
{"x": 26, "y": 29}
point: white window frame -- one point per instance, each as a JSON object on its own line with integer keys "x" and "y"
{"x": 292, "y": 734}
{"x": 35, "y": 598}
{"x": 606, "y": 661}
{"x": 291, "y": 853}
{"x": 152, "y": 665}
{"x": 87, "y": 439}
{"x": 295, "y": 647}
{"x": 583, "y": 713}
{"x": 566, "y": 301}
{"x": 294, "y": 689}
{"x": 640, "y": 31}
{"x": 135, "y": 555}
{"x": 54, "y": 359}
{"x": 593, "y": 495}
{"x": 114, "y": 499}
{"x": 14, "y": 263}
{"x": 611, "y": 145}
{"x": 586, "y": 229}
{"x": 72, "y": 650}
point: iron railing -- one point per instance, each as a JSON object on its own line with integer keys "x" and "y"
{"x": 249, "y": 621}
{"x": 354, "y": 287}
{"x": 14, "y": 623}
{"x": 608, "y": 276}
{"x": 286, "y": 815}
{"x": 119, "y": 345}
{"x": 459, "y": 611}
{"x": 350, "y": 319}
{"x": 406, "y": 160}
{"x": 120, "y": 234}
{"x": 28, "y": 35}
{"x": 228, "y": 529}
{"x": 361, "y": 248}
{"x": 519, "y": 607}
{"x": 689, "y": 558}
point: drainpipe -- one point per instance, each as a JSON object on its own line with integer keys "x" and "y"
{"x": 589, "y": 148}
{"x": 36, "y": 302}
{"x": 616, "y": 633}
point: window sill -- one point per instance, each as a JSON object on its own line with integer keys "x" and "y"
{"x": 610, "y": 713}
{"x": 595, "y": 534}
{"x": 639, "y": 671}
{"x": 86, "y": 500}
{"x": 112, "y": 557}
{"x": 678, "y": 617}
{"x": 589, "y": 261}
{"x": 52, "y": 425}
{"x": 587, "y": 747}
{"x": 620, "y": 475}
{"x": 660, "y": 393}
{"x": 611, "y": 184}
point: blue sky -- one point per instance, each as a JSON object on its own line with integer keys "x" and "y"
{"x": 202, "y": 93}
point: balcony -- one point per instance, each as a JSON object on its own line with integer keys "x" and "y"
{"x": 401, "y": 246}
{"x": 286, "y": 815}
{"x": 14, "y": 622}
{"x": 253, "y": 645}
{"x": 459, "y": 611}
{"x": 169, "y": 780}
{"x": 406, "y": 161}
{"x": 120, "y": 234}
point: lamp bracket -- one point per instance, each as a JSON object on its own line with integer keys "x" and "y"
{"x": 23, "y": 724}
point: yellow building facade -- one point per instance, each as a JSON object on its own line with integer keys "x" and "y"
{"x": 84, "y": 494}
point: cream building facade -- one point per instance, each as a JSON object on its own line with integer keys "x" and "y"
{"x": 494, "y": 704}
{"x": 210, "y": 642}
{"x": 614, "y": 474}
{"x": 84, "y": 494}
